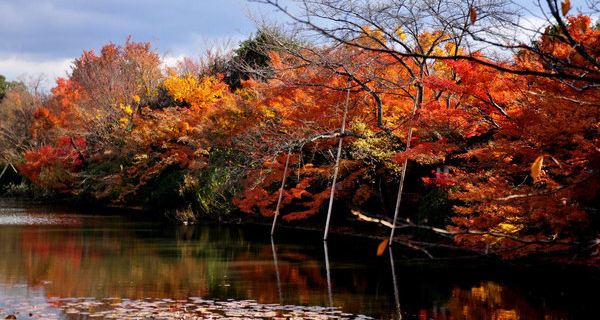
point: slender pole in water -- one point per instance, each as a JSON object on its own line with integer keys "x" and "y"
{"x": 327, "y": 270}
{"x": 276, "y": 271}
{"x": 417, "y": 104}
{"x": 337, "y": 163}
{"x": 395, "y": 282}
{"x": 398, "y": 199}
{"x": 287, "y": 162}
{"x": 3, "y": 171}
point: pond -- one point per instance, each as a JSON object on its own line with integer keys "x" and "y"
{"x": 59, "y": 263}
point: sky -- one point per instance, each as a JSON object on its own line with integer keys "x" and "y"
{"x": 44, "y": 36}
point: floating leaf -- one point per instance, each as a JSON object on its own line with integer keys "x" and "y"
{"x": 381, "y": 247}
{"x": 473, "y": 15}
{"x": 565, "y": 6}
{"x": 536, "y": 167}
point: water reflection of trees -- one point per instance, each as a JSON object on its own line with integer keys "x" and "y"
{"x": 490, "y": 300}
{"x": 137, "y": 263}
{"x": 106, "y": 263}
{"x": 131, "y": 263}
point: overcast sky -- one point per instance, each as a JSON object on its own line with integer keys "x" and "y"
{"x": 46, "y": 35}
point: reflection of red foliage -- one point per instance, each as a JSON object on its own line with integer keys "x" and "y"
{"x": 302, "y": 273}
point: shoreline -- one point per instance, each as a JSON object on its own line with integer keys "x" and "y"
{"x": 312, "y": 233}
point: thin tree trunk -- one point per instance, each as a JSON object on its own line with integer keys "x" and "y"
{"x": 337, "y": 164}
{"x": 285, "y": 170}
{"x": 333, "y": 183}
{"x": 417, "y": 104}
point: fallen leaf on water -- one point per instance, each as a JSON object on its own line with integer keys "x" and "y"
{"x": 381, "y": 247}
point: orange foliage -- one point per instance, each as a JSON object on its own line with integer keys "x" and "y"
{"x": 486, "y": 126}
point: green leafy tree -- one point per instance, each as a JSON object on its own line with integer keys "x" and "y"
{"x": 3, "y": 86}
{"x": 251, "y": 59}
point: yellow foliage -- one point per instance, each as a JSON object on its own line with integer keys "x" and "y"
{"x": 370, "y": 37}
{"x": 509, "y": 228}
{"x": 429, "y": 41}
{"x": 373, "y": 146}
{"x": 268, "y": 112}
{"x": 374, "y": 34}
{"x": 400, "y": 33}
{"x": 126, "y": 108}
{"x": 184, "y": 127}
{"x": 450, "y": 47}
{"x": 197, "y": 92}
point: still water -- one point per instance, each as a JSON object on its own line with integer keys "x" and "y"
{"x": 56, "y": 263}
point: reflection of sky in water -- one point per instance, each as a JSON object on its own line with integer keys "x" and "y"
{"x": 27, "y": 219}
{"x": 13, "y": 212}
{"x": 21, "y": 300}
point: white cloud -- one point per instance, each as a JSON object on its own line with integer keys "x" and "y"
{"x": 531, "y": 28}
{"x": 170, "y": 61}
{"x": 15, "y": 68}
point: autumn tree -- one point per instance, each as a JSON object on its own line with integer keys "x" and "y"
{"x": 537, "y": 179}
{"x": 88, "y": 114}
{"x": 113, "y": 86}
{"x": 463, "y": 91}
{"x": 17, "y": 109}
{"x": 399, "y": 36}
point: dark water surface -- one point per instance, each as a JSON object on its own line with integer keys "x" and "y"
{"x": 56, "y": 263}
